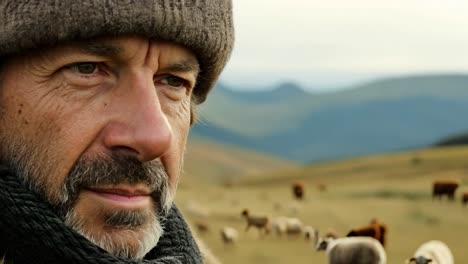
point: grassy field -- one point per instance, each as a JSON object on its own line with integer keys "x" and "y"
{"x": 395, "y": 188}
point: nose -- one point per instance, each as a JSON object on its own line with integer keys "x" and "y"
{"x": 139, "y": 126}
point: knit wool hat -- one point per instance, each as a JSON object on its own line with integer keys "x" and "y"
{"x": 204, "y": 26}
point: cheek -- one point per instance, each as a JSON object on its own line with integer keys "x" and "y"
{"x": 180, "y": 124}
{"x": 50, "y": 126}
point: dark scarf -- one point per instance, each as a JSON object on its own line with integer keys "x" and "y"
{"x": 31, "y": 233}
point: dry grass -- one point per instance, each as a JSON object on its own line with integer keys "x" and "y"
{"x": 394, "y": 188}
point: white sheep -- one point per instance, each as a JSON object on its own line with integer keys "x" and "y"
{"x": 434, "y": 252}
{"x": 287, "y": 226}
{"x": 294, "y": 226}
{"x": 278, "y": 225}
{"x": 229, "y": 235}
{"x": 353, "y": 250}
{"x": 310, "y": 234}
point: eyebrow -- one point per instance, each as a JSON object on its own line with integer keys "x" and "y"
{"x": 100, "y": 49}
{"x": 190, "y": 66}
{"x": 109, "y": 50}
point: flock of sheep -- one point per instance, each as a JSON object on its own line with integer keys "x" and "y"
{"x": 362, "y": 245}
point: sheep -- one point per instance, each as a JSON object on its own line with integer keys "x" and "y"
{"x": 464, "y": 198}
{"x": 260, "y": 222}
{"x": 294, "y": 226}
{"x": 298, "y": 190}
{"x": 310, "y": 233}
{"x": 290, "y": 226}
{"x": 229, "y": 235}
{"x": 434, "y": 252}
{"x": 353, "y": 250}
{"x": 202, "y": 226}
{"x": 374, "y": 230}
{"x": 444, "y": 187}
{"x": 279, "y": 226}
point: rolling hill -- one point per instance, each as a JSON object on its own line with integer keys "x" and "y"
{"x": 379, "y": 116}
{"x": 212, "y": 163}
{"x": 395, "y": 188}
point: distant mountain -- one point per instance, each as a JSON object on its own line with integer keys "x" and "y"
{"x": 286, "y": 90}
{"x": 454, "y": 140}
{"x": 379, "y": 116}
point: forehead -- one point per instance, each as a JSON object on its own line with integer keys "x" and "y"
{"x": 121, "y": 48}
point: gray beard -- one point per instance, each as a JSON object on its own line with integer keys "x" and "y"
{"x": 115, "y": 243}
{"x": 94, "y": 172}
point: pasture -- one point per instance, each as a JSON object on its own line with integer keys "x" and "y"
{"x": 395, "y": 188}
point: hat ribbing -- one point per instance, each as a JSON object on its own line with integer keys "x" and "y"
{"x": 204, "y": 26}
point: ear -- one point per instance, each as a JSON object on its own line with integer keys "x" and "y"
{"x": 429, "y": 260}
{"x": 411, "y": 260}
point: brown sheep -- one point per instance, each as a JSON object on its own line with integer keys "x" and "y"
{"x": 444, "y": 187}
{"x": 465, "y": 198}
{"x": 298, "y": 190}
{"x": 202, "y": 226}
{"x": 260, "y": 222}
{"x": 375, "y": 230}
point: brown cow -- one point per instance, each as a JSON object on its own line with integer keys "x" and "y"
{"x": 444, "y": 187}
{"x": 298, "y": 190}
{"x": 375, "y": 230}
{"x": 465, "y": 198}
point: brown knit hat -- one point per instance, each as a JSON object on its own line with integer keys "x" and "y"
{"x": 204, "y": 26}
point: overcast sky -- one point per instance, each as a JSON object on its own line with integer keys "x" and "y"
{"x": 330, "y": 43}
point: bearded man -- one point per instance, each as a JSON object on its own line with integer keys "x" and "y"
{"x": 96, "y": 101}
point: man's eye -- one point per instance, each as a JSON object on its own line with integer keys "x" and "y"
{"x": 173, "y": 81}
{"x": 85, "y": 67}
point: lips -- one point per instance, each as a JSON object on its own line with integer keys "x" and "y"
{"x": 122, "y": 191}
{"x": 122, "y": 196}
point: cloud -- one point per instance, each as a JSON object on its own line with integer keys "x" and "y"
{"x": 350, "y": 36}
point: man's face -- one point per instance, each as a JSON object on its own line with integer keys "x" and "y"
{"x": 99, "y": 129}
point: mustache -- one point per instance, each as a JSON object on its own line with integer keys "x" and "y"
{"x": 115, "y": 169}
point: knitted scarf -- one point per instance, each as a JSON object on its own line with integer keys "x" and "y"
{"x": 31, "y": 233}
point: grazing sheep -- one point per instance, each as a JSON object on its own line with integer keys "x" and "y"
{"x": 465, "y": 198}
{"x": 298, "y": 190}
{"x": 279, "y": 226}
{"x": 374, "y": 230}
{"x": 294, "y": 226}
{"x": 290, "y": 226}
{"x": 434, "y": 252}
{"x": 444, "y": 187}
{"x": 260, "y": 222}
{"x": 311, "y": 234}
{"x": 229, "y": 235}
{"x": 353, "y": 250}
{"x": 202, "y": 226}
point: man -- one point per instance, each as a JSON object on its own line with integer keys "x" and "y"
{"x": 96, "y": 101}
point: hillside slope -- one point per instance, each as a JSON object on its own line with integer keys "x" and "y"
{"x": 395, "y": 188}
{"x": 380, "y": 116}
{"x": 210, "y": 163}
